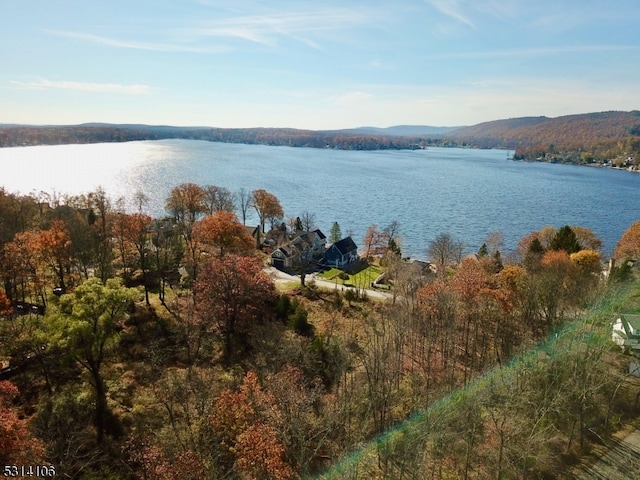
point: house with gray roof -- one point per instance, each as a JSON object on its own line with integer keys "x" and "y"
{"x": 341, "y": 254}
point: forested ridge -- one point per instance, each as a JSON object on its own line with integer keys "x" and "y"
{"x": 603, "y": 138}
{"x": 22, "y": 135}
{"x": 135, "y": 347}
{"x": 586, "y": 138}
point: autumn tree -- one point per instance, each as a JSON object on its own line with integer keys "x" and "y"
{"x": 241, "y": 422}
{"x": 125, "y": 258}
{"x": 86, "y": 326}
{"x": 231, "y": 295}
{"x": 25, "y": 270}
{"x": 628, "y": 248}
{"x": 186, "y": 204}
{"x": 587, "y": 239}
{"x": 136, "y": 233}
{"x": 375, "y": 242}
{"x": 17, "y": 444}
{"x": 55, "y": 245}
{"x": 223, "y": 233}
{"x": 556, "y": 285}
{"x": 267, "y": 207}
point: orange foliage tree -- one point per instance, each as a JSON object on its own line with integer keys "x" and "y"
{"x": 55, "y": 246}
{"x": 24, "y": 266}
{"x": 231, "y": 294}
{"x": 132, "y": 232}
{"x": 628, "y": 248}
{"x": 223, "y": 232}
{"x": 267, "y": 206}
{"x": 17, "y": 445}
{"x": 254, "y": 449}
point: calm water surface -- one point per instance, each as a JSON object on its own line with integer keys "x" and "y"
{"x": 466, "y": 192}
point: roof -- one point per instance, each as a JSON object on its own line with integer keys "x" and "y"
{"x": 304, "y": 239}
{"x": 252, "y": 230}
{"x": 345, "y": 245}
{"x": 321, "y": 235}
{"x": 287, "y": 251}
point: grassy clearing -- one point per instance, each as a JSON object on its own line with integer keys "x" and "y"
{"x": 287, "y": 286}
{"x": 360, "y": 277}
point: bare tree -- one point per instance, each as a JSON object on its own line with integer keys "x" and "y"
{"x": 494, "y": 242}
{"x": 445, "y": 250}
{"x": 218, "y": 199}
{"x": 308, "y": 221}
{"x": 244, "y": 203}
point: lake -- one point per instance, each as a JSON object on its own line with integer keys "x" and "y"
{"x": 465, "y": 192}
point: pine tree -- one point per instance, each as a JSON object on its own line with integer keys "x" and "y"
{"x": 335, "y": 234}
{"x": 565, "y": 240}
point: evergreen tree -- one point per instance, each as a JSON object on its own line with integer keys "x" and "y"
{"x": 335, "y": 233}
{"x": 483, "y": 251}
{"x": 565, "y": 239}
{"x": 534, "y": 255}
{"x": 497, "y": 261}
{"x": 394, "y": 247}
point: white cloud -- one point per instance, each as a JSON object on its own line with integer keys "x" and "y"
{"x": 452, "y": 9}
{"x": 134, "y": 45}
{"x": 268, "y": 28}
{"x": 45, "y": 84}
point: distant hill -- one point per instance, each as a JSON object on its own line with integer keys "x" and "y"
{"x": 405, "y": 130}
{"x": 571, "y": 132}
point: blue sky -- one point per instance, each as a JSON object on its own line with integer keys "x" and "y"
{"x": 316, "y": 65}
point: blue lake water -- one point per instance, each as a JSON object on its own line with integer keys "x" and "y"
{"x": 465, "y": 192}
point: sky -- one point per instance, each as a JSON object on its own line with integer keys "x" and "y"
{"x": 315, "y": 65}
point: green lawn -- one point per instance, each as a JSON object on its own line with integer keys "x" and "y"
{"x": 360, "y": 278}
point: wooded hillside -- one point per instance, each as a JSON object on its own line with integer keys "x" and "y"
{"x": 602, "y": 135}
{"x": 135, "y": 348}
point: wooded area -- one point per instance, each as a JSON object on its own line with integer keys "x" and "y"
{"x": 142, "y": 348}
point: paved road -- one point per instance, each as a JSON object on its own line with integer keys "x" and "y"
{"x": 279, "y": 276}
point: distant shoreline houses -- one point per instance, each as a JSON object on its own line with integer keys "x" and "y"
{"x": 309, "y": 248}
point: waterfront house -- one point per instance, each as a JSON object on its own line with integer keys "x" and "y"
{"x": 311, "y": 245}
{"x": 284, "y": 257}
{"x": 304, "y": 248}
{"x": 341, "y": 254}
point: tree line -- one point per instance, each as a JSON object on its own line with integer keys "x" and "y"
{"x": 22, "y": 135}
